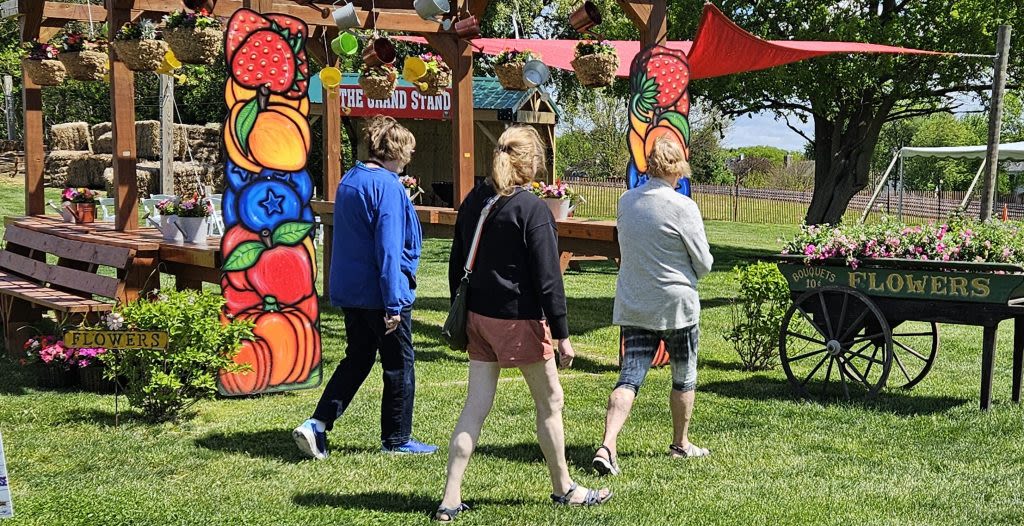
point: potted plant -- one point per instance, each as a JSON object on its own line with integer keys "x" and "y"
{"x": 82, "y": 203}
{"x": 379, "y": 82}
{"x": 169, "y": 209}
{"x": 508, "y": 66}
{"x": 560, "y": 198}
{"x": 193, "y": 214}
{"x": 438, "y": 76}
{"x": 53, "y": 361}
{"x": 84, "y": 56}
{"x": 195, "y": 37}
{"x": 138, "y": 46}
{"x": 41, "y": 64}
{"x": 595, "y": 63}
{"x": 90, "y": 369}
{"x": 412, "y": 187}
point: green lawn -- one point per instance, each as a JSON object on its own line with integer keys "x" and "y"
{"x": 928, "y": 456}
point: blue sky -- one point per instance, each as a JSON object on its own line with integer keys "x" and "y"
{"x": 761, "y": 129}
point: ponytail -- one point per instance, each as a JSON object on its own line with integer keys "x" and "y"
{"x": 517, "y": 159}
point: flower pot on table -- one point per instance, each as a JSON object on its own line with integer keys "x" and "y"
{"x": 194, "y": 229}
{"x": 560, "y": 208}
{"x": 84, "y": 212}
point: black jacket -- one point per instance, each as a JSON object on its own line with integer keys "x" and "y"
{"x": 517, "y": 275}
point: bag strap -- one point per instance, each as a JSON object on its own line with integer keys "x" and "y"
{"x": 471, "y": 258}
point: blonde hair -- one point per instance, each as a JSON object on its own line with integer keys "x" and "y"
{"x": 668, "y": 160}
{"x": 389, "y": 141}
{"x": 518, "y": 159}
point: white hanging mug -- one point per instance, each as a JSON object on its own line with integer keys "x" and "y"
{"x": 345, "y": 17}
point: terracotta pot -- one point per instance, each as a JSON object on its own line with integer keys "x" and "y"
{"x": 86, "y": 65}
{"x": 50, "y": 72}
{"x": 84, "y": 212}
{"x": 468, "y": 28}
{"x": 381, "y": 51}
{"x": 585, "y": 17}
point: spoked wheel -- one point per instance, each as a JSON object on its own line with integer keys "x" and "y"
{"x": 835, "y": 343}
{"x": 914, "y": 346}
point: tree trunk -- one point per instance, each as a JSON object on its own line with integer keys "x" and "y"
{"x": 843, "y": 148}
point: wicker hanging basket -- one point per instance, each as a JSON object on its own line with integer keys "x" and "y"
{"x": 436, "y": 82}
{"x": 596, "y": 71}
{"x": 195, "y": 46}
{"x": 511, "y": 76}
{"x": 378, "y": 86}
{"x": 141, "y": 55}
{"x": 49, "y": 72}
{"x": 86, "y": 65}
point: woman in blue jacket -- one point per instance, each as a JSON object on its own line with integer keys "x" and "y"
{"x": 377, "y": 241}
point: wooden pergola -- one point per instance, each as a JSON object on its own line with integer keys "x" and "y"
{"x": 41, "y": 19}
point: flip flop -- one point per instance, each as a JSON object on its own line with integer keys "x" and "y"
{"x": 606, "y": 466}
{"x": 690, "y": 451}
{"x": 592, "y": 498}
{"x": 450, "y": 512}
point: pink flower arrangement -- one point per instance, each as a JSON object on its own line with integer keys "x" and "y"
{"x": 53, "y": 352}
{"x": 78, "y": 195}
{"x": 194, "y": 206}
{"x": 559, "y": 190}
{"x": 409, "y": 182}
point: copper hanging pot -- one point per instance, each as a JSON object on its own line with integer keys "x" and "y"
{"x": 468, "y": 28}
{"x": 585, "y": 17}
{"x": 197, "y": 5}
{"x": 381, "y": 51}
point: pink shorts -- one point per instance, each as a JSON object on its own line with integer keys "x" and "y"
{"x": 511, "y": 343}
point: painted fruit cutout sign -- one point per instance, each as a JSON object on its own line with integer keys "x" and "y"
{"x": 659, "y": 106}
{"x": 269, "y": 256}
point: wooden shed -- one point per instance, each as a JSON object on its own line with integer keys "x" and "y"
{"x": 429, "y": 119}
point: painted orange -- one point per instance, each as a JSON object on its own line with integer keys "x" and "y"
{"x": 280, "y": 139}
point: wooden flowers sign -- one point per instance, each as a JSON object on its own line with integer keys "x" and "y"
{"x": 269, "y": 256}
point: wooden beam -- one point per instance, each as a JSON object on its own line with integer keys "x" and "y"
{"x": 35, "y": 152}
{"x": 478, "y": 7}
{"x": 463, "y": 150}
{"x": 32, "y": 18}
{"x": 332, "y": 161}
{"x": 650, "y": 17}
{"x": 122, "y": 105}
{"x": 260, "y": 6}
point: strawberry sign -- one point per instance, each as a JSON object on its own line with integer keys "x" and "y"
{"x": 659, "y": 106}
{"x": 268, "y": 50}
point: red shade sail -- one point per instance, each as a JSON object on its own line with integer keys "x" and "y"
{"x": 720, "y": 48}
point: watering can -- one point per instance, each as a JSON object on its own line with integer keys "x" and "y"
{"x": 428, "y": 9}
{"x": 330, "y": 77}
{"x": 345, "y": 17}
{"x": 413, "y": 70}
{"x": 584, "y": 18}
{"x": 64, "y": 210}
{"x": 168, "y": 227}
{"x": 535, "y": 73}
{"x": 345, "y": 44}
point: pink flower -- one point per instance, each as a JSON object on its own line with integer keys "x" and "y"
{"x": 809, "y": 250}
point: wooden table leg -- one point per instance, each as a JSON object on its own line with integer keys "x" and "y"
{"x": 565, "y": 260}
{"x": 1018, "y": 358}
{"x": 988, "y": 359}
{"x": 143, "y": 276}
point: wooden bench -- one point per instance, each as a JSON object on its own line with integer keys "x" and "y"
{"x": 29, "y": 285}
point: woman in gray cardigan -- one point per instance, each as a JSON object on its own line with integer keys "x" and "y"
{"x": 664, "y": 252}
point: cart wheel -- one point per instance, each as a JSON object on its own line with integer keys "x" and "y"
{"x": 914, "y": 346}
{"x": 834, "y": 342}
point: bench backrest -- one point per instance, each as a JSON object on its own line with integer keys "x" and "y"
{"x": 78, "y": 261}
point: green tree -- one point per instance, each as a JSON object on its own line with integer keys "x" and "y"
{"x": 850, "y": 97}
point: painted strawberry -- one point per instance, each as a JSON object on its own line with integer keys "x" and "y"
{"x": 242, "y": 24}
{"x": 266, "y": 59}
{"x": 294, "y": 26}
{"x": 670, "y": 71}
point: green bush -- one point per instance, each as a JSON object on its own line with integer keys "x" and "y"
{"x": 163, "y": 384}
{"x": 757, "y": 314}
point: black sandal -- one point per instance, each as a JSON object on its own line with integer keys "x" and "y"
{"x": 450, "y": 512}
{"x": 605, "y": 466}
{"x": 593, "y": 497}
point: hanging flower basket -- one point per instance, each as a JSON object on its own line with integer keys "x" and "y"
{"x": 509, "y": 66}
{"x": 595, "y": 64}
{"x": 86, "y": 65}
{"x": 195, "y": 38}
{"x": 137, "y": 46}
{"x": 49, "y": 72}
{"x": 438, "y": 77}
{"x": 379, "y": 83}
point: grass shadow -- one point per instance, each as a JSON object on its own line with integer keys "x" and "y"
{"x": 529, "y": 452}
{"x": 727, "y": 256}
{"x": 110, "y": 418}
{"x": 274, "y": 444}
{"x": 893, "y": 401}
{"x": 15, "y": 379}
{"x": 719, "y": 364}
{"x": 387, "y": 502}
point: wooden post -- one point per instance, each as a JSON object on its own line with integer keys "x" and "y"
{"x": 167, "y": 134}
{"x": 463, "y": 162}
{"x": 650, "y": 17}
{"x": 122, "y": 105}
{"x": 32, "y": 108}
{"x": 988, "y": 360}
{"x": 995, "y": 120}
{"x": 260, "y": 6}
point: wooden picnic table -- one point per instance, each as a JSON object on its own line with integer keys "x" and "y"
{"x": 192, "y": 265}
{"x": 576, "y": 236}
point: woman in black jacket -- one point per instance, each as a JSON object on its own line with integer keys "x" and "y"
{"x": 517, "y": 311}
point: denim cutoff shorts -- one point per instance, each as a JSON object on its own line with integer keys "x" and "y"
{"x": 641, "y": 346}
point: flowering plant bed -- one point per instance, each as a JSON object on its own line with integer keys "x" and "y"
{"x": 559, "y": 190}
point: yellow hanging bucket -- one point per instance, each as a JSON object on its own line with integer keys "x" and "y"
{"x": 169, "y": 64}
{"x": 330, "y": 77}
{"x": 413, "y": 70}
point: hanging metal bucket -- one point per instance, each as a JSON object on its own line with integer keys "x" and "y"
{"x": 535, "y": 73}
{"x": 468, "y": 28}
{"x": 345, "y": 44}
{"x": 330, "y": 77}
{"x": 430, "y": 9}
{"x": 345, "y": 17}
{"x": 381, "y": 51}
{"x": 585, "y": 17}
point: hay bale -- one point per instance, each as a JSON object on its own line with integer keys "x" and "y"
{"x": 98, "y": 130}
{"x": 87, "y": 170}
{"x": 147, "y": 139}
{"x": 69, "y": 136}
{"x": 104, "y": 143}
{"x": 144, "y": 178}
{"x": 55, "y": 166}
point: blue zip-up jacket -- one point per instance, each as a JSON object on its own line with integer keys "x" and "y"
{"x": 377, "y": 242}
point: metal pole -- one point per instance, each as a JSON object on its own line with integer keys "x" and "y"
{"x": 995, "y": 120}
{"x": 9, "y": 105}
{"x": 899, "y": 206}
{"x": 970, "y": 189}
{"x": 167, "y": 134}
{"x": 878, "y": 189}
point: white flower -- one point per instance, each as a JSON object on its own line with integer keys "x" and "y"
{"x": 114, "y": 321}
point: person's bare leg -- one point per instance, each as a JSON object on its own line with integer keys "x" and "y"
{"x": 542, "y": 378}
{"x": 620, "y": 403}
{"x": 483, "y": 382}
{"x": 682, "y": 410}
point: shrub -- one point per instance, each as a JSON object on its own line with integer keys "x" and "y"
{"x": 163, "y": 384}
{"x": 757, "y": 314}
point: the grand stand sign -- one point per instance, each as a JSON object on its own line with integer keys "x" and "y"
{"x": 117, "y": 340}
